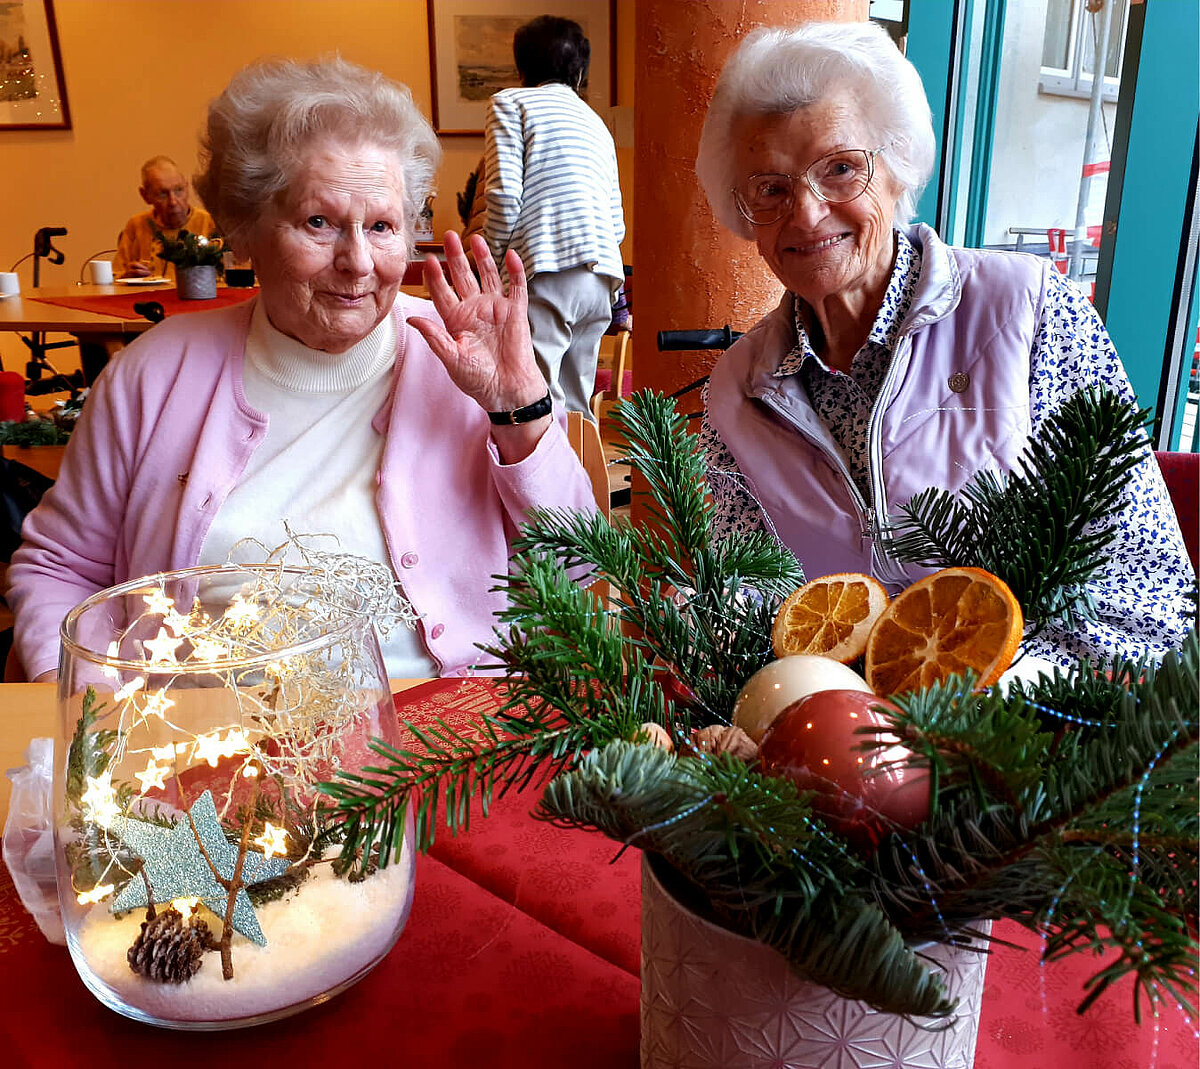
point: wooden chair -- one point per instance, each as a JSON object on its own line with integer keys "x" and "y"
{"x": 584, "y": 437}
{"x": 613, "y": 383}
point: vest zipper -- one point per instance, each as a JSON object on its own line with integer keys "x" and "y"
{"x": 884, "y": 567}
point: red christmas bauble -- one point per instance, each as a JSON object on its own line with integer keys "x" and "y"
{"x": 862, "y": 794}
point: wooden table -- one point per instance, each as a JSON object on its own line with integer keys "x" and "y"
{"x": 99, "y": 335}
{"x": 23, "y": 313}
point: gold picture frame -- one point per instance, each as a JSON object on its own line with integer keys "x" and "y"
{"x": 33, "y": 92}
{"x": 470, "y": 54}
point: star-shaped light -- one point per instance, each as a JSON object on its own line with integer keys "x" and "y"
{"x": 158, "y": 603}
{"x": 273, "y": 841}
{"x": 86, "y": 898}
{"x": 241, "y": 613}
{"x": 165, "y": 752}
{"x": 162, "y": 647}
{"x": 153, "y": 775}
{"x": 212, "y": 747}
{"x": 175, "y": 867}
{"x": 208, "y": 649}
{"x": 130, "y": 689}
{"x": 176, "y": 621}
{"x": 157, "y": 704}
{"x": 99, "y": 800}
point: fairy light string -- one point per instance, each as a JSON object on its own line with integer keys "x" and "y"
{"x": 284, "y": 722}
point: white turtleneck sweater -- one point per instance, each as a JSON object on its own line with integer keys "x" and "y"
{"x": 318, "y": 464}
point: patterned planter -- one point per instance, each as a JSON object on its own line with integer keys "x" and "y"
{"x": 196, "y": 283}
{"x": 715, "y": 1000}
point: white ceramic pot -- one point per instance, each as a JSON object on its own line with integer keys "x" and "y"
{"x": 196, "y": 283}
{"x": 712, "y": 999}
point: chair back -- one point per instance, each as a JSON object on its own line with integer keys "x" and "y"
{"x": 584, "y": 437}
{"x": 616, "y": 382}
{"x": 1181, "y": 473}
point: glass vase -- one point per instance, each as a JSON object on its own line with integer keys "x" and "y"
{"x": 198, "y": 863}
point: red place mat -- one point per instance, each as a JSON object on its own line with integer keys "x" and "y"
{"x": 568, "y": 881}
{"x": 472, "y": 982}
{"x": 577, "y": 883}
{"x": 121, "y": 304}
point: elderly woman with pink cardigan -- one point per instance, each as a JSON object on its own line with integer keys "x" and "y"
{"x": 418, "y": 433}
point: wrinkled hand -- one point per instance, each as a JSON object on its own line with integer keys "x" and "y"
{"x": 483, "y": 339}
{"x": 138, "y": 269}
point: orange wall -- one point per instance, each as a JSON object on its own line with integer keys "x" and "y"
{"x": 139, "y": 76}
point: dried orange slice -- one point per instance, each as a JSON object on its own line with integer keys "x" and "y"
{"x": 831, "y": 616}
{"x": 951, "y": 621}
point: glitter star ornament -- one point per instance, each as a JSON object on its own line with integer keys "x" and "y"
{"x": 176, "y": 868}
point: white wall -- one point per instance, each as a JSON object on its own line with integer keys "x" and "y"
{"x": 1037, "y": 154}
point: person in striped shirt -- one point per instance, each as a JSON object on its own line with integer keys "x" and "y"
{"x": 554, "y": 198}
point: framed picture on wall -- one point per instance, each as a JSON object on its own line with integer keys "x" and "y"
{"x": 470, "y": 54}
{"x": 33, "y": 94}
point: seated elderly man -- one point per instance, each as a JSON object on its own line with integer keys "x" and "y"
{"x": 166, "y": 191}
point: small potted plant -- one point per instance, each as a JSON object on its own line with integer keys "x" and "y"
{"x": 196, "y": 259}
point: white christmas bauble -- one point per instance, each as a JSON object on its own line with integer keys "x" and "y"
{"x": 775, "y": 686}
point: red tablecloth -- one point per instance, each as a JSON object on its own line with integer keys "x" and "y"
{"x": 521, "y": 952}
{"x": 121, "y": 304}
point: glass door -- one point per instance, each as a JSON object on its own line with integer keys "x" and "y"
{"x": 1095, "y": 173}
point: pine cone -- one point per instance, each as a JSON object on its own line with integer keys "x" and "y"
{"x": 169, "y": 951}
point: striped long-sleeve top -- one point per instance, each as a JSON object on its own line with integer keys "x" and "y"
{"x": 552, "y": 189}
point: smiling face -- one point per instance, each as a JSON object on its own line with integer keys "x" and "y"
{"x": 820, "y": 250}
{"x": 330, "y": 251}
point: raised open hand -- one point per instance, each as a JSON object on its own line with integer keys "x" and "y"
{"x": 483, "y": 339}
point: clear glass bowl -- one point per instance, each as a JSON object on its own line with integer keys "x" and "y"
{"x": 199, "y": 711}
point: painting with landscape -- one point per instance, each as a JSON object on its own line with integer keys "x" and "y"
{"x": 32, "y": 93}
{"x": 472, "y": 57}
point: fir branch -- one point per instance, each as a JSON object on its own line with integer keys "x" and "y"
{"x": 1044, "y": 528}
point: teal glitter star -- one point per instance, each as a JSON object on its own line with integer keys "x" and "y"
{"x": 177, "y": 869}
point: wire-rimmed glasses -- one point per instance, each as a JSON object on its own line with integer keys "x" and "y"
{"x": 836, "y": 178}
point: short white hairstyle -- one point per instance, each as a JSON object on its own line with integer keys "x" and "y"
{"x": 776, "y": 71}
{"x": 261, "y": 127}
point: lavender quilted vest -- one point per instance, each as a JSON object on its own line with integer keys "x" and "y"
{"x": 954, "y": 401}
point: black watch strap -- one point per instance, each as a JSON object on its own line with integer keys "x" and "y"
{"x": 523, "y": 415}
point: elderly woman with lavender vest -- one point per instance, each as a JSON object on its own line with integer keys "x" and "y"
{"x": 418, "y": 433}
{"x": 893, "y": 362}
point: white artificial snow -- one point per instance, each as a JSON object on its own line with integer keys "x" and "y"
{"x": 318, "y": 937}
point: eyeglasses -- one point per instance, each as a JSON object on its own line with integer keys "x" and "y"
{"x": 837, "y": 178}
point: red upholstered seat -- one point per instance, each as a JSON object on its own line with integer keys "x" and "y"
{"x": 1181, "y": 473}
{"x": 604, "y": 379}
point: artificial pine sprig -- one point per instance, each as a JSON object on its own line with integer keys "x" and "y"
{"x": 1044, "y": 528}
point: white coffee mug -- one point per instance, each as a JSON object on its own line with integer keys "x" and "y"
{"x": 100, "y": 272}
{"x": 10, "y": 283}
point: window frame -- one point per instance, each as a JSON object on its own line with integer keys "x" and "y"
{"x": 1072, "y": 80}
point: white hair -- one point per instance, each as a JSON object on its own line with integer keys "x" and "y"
{"x": 776, "y": 71}
{"x": 260, "y": 129}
